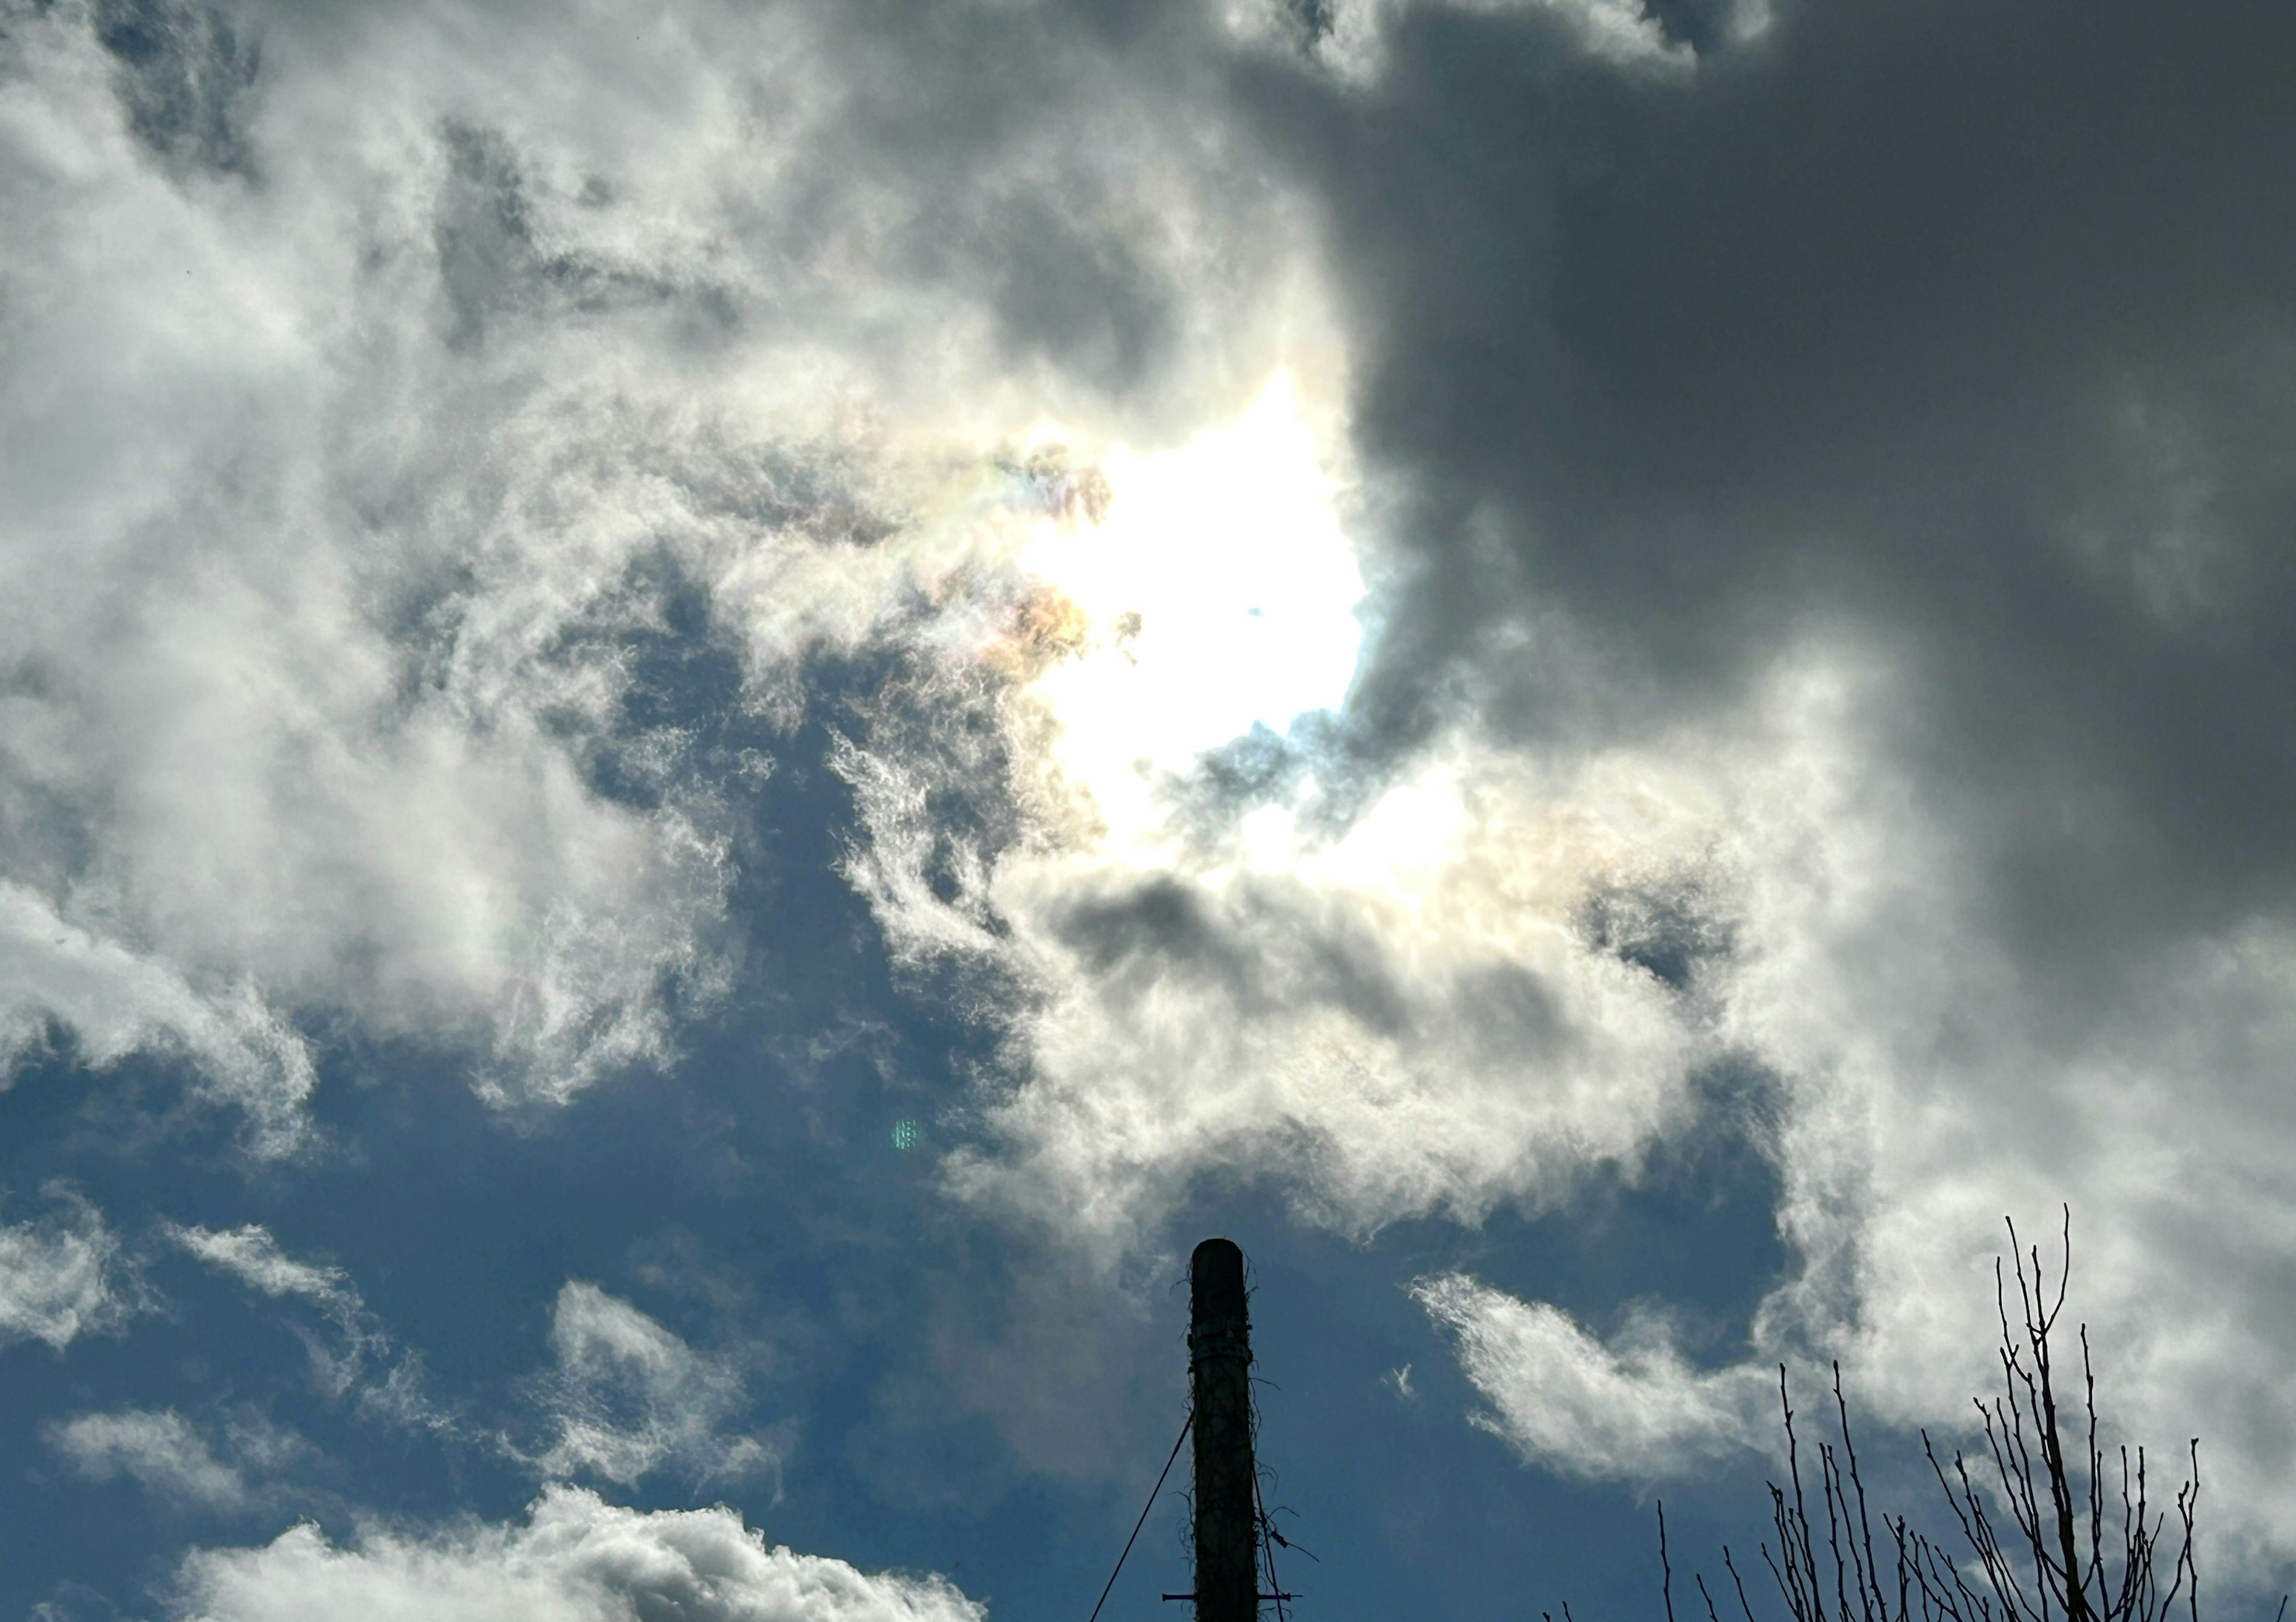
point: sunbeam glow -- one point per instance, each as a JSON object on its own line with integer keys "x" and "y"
{"x": 1219, "y": 593}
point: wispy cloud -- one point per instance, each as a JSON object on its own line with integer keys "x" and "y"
{"x": 252, "y": 1255}
{"x": 117, "y": 1002}
{"x": 627, "y": 1398}
{"x": 176, "y": 1461}
{"x": 159, "y": 1449}
{"x": 58, "y": 1274}
{"x": 1634, "y": 1408}
{"x": 358, "y": 1356}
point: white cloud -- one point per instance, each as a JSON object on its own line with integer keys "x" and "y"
{"x": 116, "y": 1002}
{"x": 1925, "y": 1089}
{"x": 575, "y": 1560}
{"x": 230, "y": 791}
{"x": 171, "y": 1459}
{"x": 358, "y": 1356}
{"x": 1401, "y": 1021}
{"x": 1426, "y": 1011}
{"x": 1634, "y": 1408}
{"x": 629, "y": 1398}
{"x": 250, "y": 1253}
{"x": 1354, "y": 40}
{"x": 161, "y": 1450}
{"x": 57, "y": 1274}
{"x": 1398, "y": 1017}
{"x": 1377, "y": 1065}
{"x": 625, "y": 1398}
{"x": 1933, "y": 1083}
{"x": 328, "y": 493}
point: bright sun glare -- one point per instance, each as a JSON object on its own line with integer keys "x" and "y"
{"x": 1221, "y": 594}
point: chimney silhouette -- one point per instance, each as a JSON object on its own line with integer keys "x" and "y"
{"x": 1219, "y": 1372}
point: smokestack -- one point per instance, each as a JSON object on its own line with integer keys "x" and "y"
{"x": 1219, "y": 1371}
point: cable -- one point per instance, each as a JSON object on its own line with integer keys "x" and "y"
{"x": 1145, "y": 1508}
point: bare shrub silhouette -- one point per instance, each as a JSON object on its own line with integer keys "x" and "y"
{"x": 2046, "y": 1532}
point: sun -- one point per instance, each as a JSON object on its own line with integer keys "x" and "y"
{"x": 1218, "y": 591}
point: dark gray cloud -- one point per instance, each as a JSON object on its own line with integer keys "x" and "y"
{"x": 1960, "y": 331}
{"x": 185, "y": 74}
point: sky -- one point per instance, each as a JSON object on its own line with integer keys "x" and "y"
{"x": 714, "y": 715}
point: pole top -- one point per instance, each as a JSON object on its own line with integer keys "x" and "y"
{"x": 1216, "y": 1280}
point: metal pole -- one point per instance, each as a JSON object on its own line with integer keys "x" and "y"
{"x": 1219, "y": 1371}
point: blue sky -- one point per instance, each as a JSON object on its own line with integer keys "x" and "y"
{"x": 713, "y": 717}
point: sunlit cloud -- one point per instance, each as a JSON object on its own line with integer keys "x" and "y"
{"x": 574, "y": 1557}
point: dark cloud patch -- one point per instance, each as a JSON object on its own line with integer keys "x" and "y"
{"x": 186, "y": 75}
{"x": 1249, "y": 771}
{"x": 47, "y": 833}
{"x": 1162, "y": 921}
{"x": 1668, "y": 929}
{"x": 1703, "y": 25}
{"x": 1315, "y": 20}
{"x": 494, "y": 262}
{"x": 679, "y": 716}
{"x": 1512, "y": 1014}
{"x": 1076, "y": 295}
{"x": 1267, "y": 945}
{"x": 1325, "y": 767}
{"x": 1957, "y": 334}
{"x": 484, "y": 238}
{"x": 1056, "y": 169}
